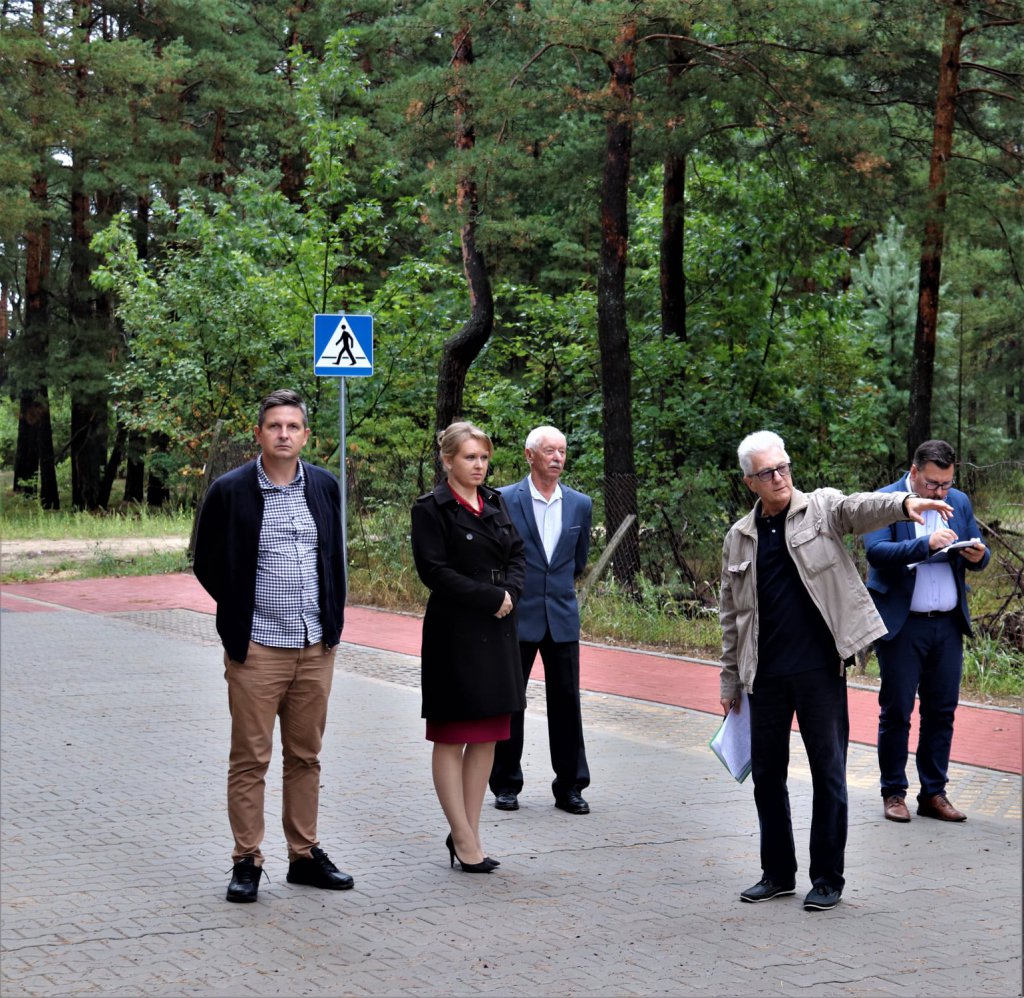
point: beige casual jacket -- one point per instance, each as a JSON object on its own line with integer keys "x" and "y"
{"x": 815, "y": 525}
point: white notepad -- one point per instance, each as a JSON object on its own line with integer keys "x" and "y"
{"x": 731, "y": 742}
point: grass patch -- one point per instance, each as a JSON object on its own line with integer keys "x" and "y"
{"x": 651, "y": 619}
{"x": 992, "y": 669}
{"x": 21, "y": 518}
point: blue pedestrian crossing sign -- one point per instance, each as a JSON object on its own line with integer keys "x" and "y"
{"x": 343, "y": 346}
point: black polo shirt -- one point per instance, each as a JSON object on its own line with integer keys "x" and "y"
{"x": 792, "y": 634}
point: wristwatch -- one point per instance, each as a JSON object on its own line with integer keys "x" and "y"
{"x": 909, "y": 495}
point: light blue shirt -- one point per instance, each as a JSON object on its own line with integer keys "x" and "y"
{"x": 548, "y": 514}
{"x": 934, "y": 585}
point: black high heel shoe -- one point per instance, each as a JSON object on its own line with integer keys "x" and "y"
{"x": 485, "y": 867}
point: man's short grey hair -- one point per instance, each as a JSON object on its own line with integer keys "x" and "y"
{"x": 754, "y": 443}
{"x": 538, "y": 433}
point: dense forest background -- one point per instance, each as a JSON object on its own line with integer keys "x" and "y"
{"x": 658, "y": 225}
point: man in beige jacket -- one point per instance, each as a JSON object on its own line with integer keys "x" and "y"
{"x": 794, "y": 611}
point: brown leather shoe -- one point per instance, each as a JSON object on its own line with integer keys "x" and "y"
{"x": 938, "y": 806}
{"x": 895, "y": 808}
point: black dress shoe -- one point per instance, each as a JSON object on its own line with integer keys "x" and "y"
{"x": 245, "y": 880}
{"x": 317, "y": 870}
{"x": 506, "y": 801}
{"x": 573, "y": 803}
{"x": 766, "y": 889}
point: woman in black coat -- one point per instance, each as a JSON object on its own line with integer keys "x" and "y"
{"x": 470, "y": 557}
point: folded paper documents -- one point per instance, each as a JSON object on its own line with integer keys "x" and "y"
{"x": 732, "y": 740}
{"x": 943, "y": 553}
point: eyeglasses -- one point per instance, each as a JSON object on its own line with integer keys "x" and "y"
{"x": 939, "y": 486}
{"x": 768, "y": 474}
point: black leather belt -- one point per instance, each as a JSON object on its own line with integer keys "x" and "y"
{"x": 932, "y": 613}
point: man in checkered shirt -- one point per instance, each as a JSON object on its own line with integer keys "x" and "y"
{"x": 269, "y": 551}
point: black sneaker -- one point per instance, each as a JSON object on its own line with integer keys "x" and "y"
{"x": 765, "y": 889}
{"x": 317, "y": 870}
{"x": 822, "y": 898}
{"x": 245, "y": 880}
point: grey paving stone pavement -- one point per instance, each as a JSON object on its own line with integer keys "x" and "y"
{"x": 115, "y": 850}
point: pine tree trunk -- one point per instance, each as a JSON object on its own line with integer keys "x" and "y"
{"x": 135, "y": 467}
{"x": 34, "y": 447}
{"x": 461, "y": 350}
{"x": 612, "y": 327}
{"x": 673, "y": 220}
{"x": 33, "y": 456}
{"x": 157, "y": 490}
{"x": 88, "y": 404}
{"x": 922, "y": 372}
{"x": 673, "y": 228}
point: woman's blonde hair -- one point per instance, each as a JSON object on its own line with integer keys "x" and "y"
{"x": 450, "y": 439}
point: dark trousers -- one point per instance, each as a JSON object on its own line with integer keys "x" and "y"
{"x": 565, "y": 721}
{"x": 818, "y": 698}
{"x": 925, "y": 658}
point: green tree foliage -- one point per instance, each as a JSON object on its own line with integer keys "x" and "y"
{"x": 269, "y": 166}
{"x": 887, "y": 278}
{"x": 223, "y": 308}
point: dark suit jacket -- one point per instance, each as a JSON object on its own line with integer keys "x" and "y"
{"x": 469, "y": 658}
{"x": 549, "y": 594}
{"x": 892, "y": 548}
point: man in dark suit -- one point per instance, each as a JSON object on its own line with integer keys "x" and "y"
{"x": 554, "y": 522}
{"x": 919, "y": 589}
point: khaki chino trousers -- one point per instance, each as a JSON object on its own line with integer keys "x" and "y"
{"x": 293, "y": 684}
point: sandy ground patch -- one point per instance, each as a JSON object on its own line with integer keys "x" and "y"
{"x": 45, "y": 554}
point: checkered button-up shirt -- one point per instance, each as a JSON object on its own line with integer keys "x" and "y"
{"x": 287, "y": 611}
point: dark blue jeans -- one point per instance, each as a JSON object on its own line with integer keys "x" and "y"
{"x": 565, "y": 721}
{"x": 818, "y": 698}
{"x": 925, "y": 658}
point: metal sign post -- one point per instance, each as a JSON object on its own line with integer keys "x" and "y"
{"x": 343, "y": 348}
{"x": 343, "y": 478}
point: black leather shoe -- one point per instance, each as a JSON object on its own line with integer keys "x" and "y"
{"x": 317, "y": 870}
{"x": 822, "y": 898}
{"x": 506, "y": 801}
{"x": 766, "y": 889}
{"x": 245, "y": 880}
{"x": 573, "y": 803}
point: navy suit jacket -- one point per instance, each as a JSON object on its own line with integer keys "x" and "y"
{"x": 890, "y": 549}
{"x": 548, "y": 600}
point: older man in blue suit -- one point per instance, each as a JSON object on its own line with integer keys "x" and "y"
{"x": 918, "y": 585}
{"x": 554, "y": 522}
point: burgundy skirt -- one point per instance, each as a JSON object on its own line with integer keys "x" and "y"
{"x": 483, "y": 729}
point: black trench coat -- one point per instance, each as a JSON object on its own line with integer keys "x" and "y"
{"x": 470, "y": 666}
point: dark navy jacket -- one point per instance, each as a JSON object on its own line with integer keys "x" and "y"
{"x": 227, "y": 548}
{"x": 549, "y": 593}
{"x": 891, "y": 549}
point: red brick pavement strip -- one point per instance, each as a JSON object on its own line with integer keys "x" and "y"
{"x": 990, "y": 738}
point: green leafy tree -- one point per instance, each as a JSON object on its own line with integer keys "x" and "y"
{"x": 885, "y": 275}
